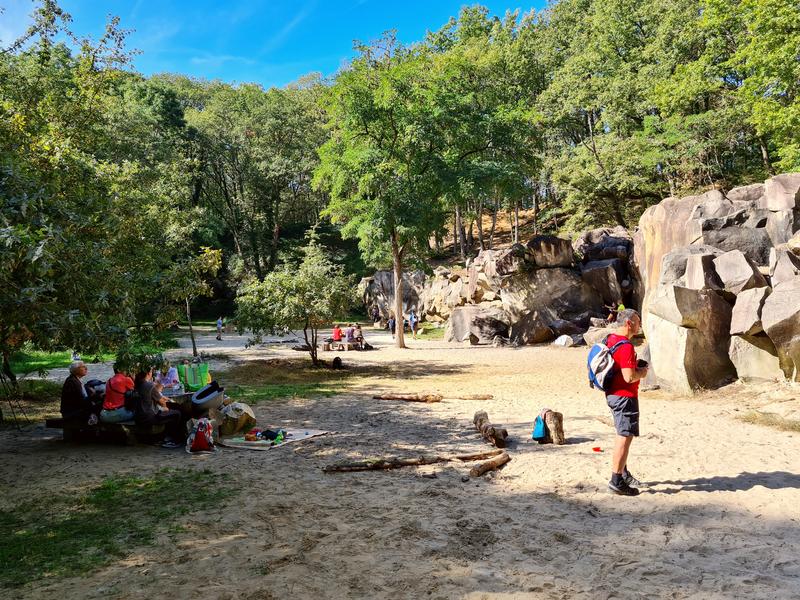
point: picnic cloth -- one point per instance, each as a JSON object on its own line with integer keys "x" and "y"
{"x": 292, "y": 435}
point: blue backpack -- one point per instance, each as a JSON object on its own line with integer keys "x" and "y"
{"x": 601, "y": 365}
{"x": 539, "y": 429}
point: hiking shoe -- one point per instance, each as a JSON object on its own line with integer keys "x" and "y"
{"x": 622, "y": 489}
{"x": 171, "y": 444}
{"x": 631, "y": 481}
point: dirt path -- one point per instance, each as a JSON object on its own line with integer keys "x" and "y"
{"x": 719, "y": 519}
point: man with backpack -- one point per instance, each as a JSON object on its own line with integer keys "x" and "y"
{"x": 622, "y": 397}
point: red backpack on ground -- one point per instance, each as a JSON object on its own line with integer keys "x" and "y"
{"x": 202, "y": 437}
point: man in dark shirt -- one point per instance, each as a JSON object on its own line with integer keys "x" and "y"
{"x": 76, "y": 403}
{"x": 623, "y": 400}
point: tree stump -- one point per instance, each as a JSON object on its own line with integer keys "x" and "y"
{"x": 491, "y": 433}
{"x": 555, "y": 427}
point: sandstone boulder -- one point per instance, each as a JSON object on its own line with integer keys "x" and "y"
{"x": 564, "y": 341}
{"x": 561, "y": 327}
{"x": 700, "y": 273}
{"x": 781, "y": 192}
{"x": 783, "y": 266}
{"x": 604, "y": 243}
{"x": 597, "y": 334}
{"x": 746, "y": 196}
{"x": 698, "y": 309}
{"x": 737, "y": 272}
{"x": 547, "y": 251}
{"x": 780, "y": 317}
{"x": 688, "y": 359}
{"x": 498, "y": 263}
{"x": 793, "y": 245}
{"x": 782, "y": 225}
{"x": 476, "y": 323}
{"x": 746, "y": 315}
{"x": 604, "y": 277}
{"x": 754, "y": 243}
{"x": 379, "y": 290}
{"x": 531, "y": 328}
{"x": 675, "y": 262}
{"x": 755, "y": 358}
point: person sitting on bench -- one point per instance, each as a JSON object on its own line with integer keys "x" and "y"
{"x": 114, "y": 410}
{"x": 149, "y": 411}
{"x": 167, "y": 376}
{"x": 358, "y": 334}
{"x": 77, "y": 404}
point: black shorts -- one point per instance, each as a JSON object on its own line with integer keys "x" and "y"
{"x": 626, "y": 414}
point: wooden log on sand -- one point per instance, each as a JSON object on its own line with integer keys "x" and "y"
{"x": 382, "y": 464}
{"x": 471, "y": 397}
{"x": 410, "y": 397}
{"x": 491, "y": 433}
{"x": 555, "y": 427}
{"x": 489, "y": 465}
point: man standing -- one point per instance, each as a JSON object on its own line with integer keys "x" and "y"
{"x": 623, "y": 400}
{"x": 219, "y": 328}
{"x": 413, "y": 322}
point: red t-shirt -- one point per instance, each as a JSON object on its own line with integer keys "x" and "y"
{"x": 115, "y": 391}
{"x": 337, "y": 334}
{"x": 625, "y": 357}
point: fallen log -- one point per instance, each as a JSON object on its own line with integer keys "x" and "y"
{"x": 410, "y": 397}
{"x": 491, "y": 433}
{"x": 471, "y": 397}
{"x": 555, "y": 427}
{"x": 489, "y": 465}
{"x": 394, "y": 462}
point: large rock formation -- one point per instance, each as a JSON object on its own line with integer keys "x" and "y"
{"x": 378, "y": 290}
{"x": 721, "y": 275}
{"x": 476, "y": 323}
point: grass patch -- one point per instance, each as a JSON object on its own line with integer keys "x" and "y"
{"x": 431, "y": 333}
{"x": 66, "y": 536}
{"x": 771, "y": 420}
{"x": 31, "y": 360}
{"x": 264, "y": 380}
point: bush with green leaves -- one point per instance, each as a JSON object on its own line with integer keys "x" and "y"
{"x": 307, "y": 296}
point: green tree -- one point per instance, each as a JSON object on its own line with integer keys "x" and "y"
{"x": 309, "y": 295}
{"x": 381, "y": 165}
{"x": 187, "y": 280}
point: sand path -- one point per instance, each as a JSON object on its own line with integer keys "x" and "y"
{"x": 718, "y": 520}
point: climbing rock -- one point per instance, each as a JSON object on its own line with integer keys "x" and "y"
{"x": 780, "y": 317}
{"x": 746, "y": 315}
{"x": 687, "y": 359}
{"x": 700, "y": 273}
{"x": 755, "y": 358}
{"x": 604, "y": 277}
{"x": 737, "y": 272}
{"x": 781, "y": 192}
{"x": 698, "y": 309}
{"x": 547, "y": 251}
{"x": 477, "y": 324}
{"x": 783, "y": 266}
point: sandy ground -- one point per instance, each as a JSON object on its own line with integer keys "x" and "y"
{"x": 719, "y": 518}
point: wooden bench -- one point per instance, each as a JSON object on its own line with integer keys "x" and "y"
{"x": 130, "y": 429}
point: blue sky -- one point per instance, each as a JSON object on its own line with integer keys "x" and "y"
{"x": 269, "y": 42}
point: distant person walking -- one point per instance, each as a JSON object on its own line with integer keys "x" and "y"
{"x": 391, "y": 323}
{"x": 623, "y": 400}
{"x": 376, "y": 313}
{"x": 413, "y": 322}
{"x": 220, "y": 324}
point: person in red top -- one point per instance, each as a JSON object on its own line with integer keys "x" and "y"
{"x": 114, "y": 410}
{"x": 623, "y": 399}
{"x": 337, "y": 333}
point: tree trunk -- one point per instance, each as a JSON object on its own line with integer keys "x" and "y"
{"x": 489, "y": 465}
{"x": 765, "y": 157}
{"x": 394, "y": 462}
{"x": 311, "y": 344}
{"x": 455, "y": 232}
{"x": 494, "y": 222}
{"x": 516, "y": 221}
{"x": 191, "y": 330}
{"x": 397, "y": 264}
{"x": 491, "y": 433}
{"x": 273, "y": 249}
{"x": 461, "y": 233}
{"x": 480, "y": 225}
{"x": 470, "y": 237}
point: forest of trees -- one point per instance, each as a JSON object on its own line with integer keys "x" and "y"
{"x": 115, "y": 186}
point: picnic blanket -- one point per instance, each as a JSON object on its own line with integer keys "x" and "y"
{"x": 292, "y": 435}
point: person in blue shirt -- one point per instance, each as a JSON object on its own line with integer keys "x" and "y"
{"x": 413, "y": 322}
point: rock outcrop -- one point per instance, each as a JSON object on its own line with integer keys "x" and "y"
{"x": 721, "y": 280}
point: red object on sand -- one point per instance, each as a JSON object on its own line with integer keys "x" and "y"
{"x": 597, "y": 449}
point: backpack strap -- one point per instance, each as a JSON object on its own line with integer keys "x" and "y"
{"x": 616, "y": 346}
